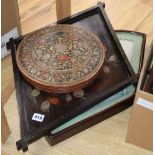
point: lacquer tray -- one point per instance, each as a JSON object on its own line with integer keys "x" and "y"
{"x": 133, "y": 44}
{"x": 116, "y": 74}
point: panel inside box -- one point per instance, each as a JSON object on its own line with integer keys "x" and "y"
{"x": 132, "y": 45}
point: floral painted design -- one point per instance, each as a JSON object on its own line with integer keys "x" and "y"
{"x": 60, "y": 54}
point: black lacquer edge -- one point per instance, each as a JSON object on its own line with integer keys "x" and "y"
{"x": 99, "y": 8}
{"x": 124, "y": 57}
{"x": 147, "y": 67}
{"x": 29, "y": 136}
{"x": 54, "y": 139}
{"x": 17, "y": 79}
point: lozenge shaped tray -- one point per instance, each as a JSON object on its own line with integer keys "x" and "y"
{"x": 37, "y": 116}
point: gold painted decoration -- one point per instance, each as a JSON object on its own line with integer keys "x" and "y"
{"x": 45, "y": 106}
{"x": 35, "y": 92}
{"x": 68, "y": 98}
{"x": 79, "y": 93}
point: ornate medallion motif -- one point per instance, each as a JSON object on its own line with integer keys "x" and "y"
{"x": 68, "y": 98}
{"x": 45, "y": 106}
{"x": 35, "y": 92}
{"x": 79, "y": 93}
{"x": 54, "y": 100}
{"x": 60, "y": 58}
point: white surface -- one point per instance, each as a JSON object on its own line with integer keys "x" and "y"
{"x": 145, "y": 103}
{"x": 128, "y": 47}
{"x": 5, "y": 38}
{"x": 38, "y": 117}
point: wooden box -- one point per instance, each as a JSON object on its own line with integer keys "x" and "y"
{"x": 133, "y": 44}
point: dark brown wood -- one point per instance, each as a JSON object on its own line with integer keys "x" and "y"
{"x": 86, "y": 123}
{"x": 102, "y": 88}
{"x": 148, "y": 69}
{"x": 148, "y": 87}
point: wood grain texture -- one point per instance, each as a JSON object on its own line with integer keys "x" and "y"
{"x": 7, "y": 80}
{"x": 5, "y": 131}
{"x": 63, "y": 8}
{"x": 108, "y": 137}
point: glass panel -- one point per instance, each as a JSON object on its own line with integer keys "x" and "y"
{"x": 128, "y": 47}
{"x": 132, "y": 45}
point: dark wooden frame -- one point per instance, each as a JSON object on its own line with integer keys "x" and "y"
{"x": 27, "y": 136}
{"x": 147, "y": 80}
{"x": 89, "y": 122}
{"x": 53, "y": 139}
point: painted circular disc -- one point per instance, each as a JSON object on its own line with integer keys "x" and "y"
{"x": 60, "y": 58}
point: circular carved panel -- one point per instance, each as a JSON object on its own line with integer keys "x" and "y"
{"x": 60, "y": 58}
